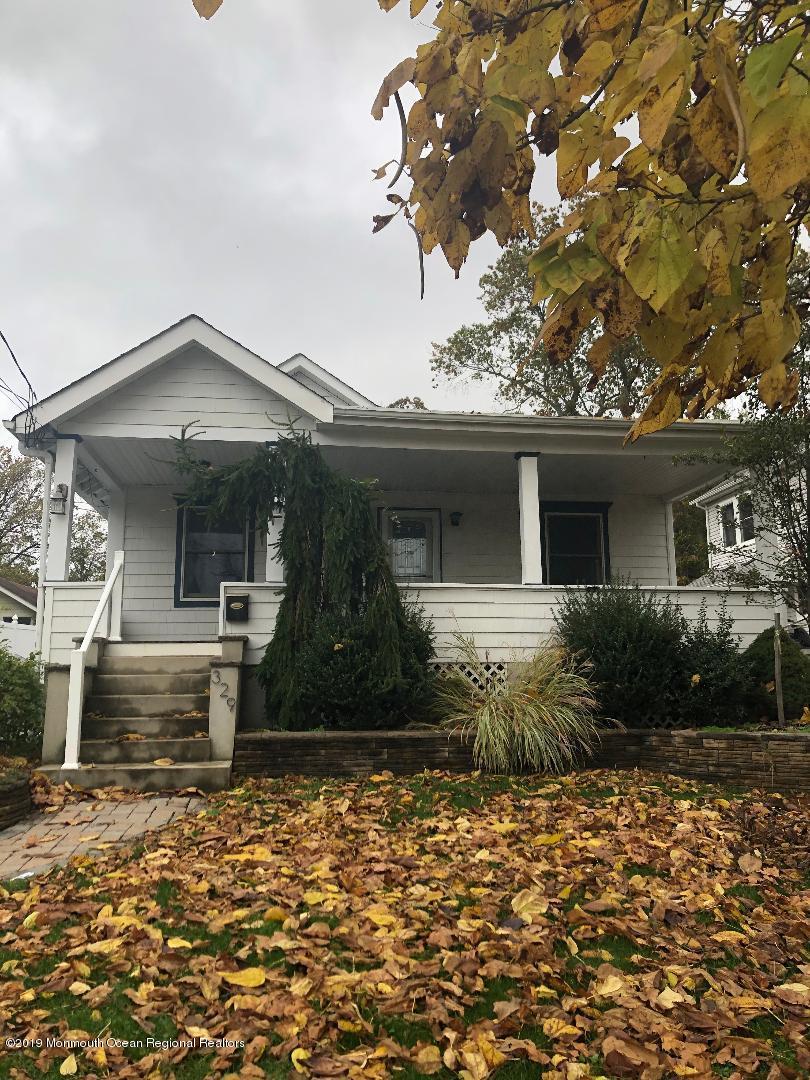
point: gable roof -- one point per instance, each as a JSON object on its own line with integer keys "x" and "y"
{"x": 157, "y": 350}
{"x": 306, "y": 371}
{"x": 25, "y": 594}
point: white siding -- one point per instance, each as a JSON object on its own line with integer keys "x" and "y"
{"x": 637, "y": 525}
{"x": 150, "y": 539}
{"x": 485, "y": 547}
{"x": 193, "y": 385}
{"x": 10, "y": 606}
{"x": 69, "y": 607}
{"x": 507, "y": 621}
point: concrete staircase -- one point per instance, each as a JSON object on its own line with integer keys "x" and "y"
{"x": 149, "y": 702}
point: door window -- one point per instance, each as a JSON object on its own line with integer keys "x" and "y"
{"x": 412, "y": 538}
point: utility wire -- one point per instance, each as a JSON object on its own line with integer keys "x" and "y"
{"x": 33, "y": 396}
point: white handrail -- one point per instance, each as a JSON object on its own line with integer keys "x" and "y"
{"x": 78, "y": 658}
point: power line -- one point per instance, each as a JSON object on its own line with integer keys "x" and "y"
{"x": 33, "y": 396}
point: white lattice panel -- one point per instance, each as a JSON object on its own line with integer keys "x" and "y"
{"x": 494, "y": 670}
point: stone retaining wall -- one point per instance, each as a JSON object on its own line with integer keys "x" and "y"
{"x": 769, "y": 760}
{"x": 15, "y": 801}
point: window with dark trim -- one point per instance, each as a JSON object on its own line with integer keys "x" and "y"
{"x": 575, "y": 543}
{"x": 208, "y": 554}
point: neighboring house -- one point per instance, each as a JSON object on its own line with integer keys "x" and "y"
{"x": 735, "y": 537}
{"x": 18, "y": 616}
{"x": 488, "y": 517}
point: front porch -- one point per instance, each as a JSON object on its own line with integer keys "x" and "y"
{"x": 484, "y": 536}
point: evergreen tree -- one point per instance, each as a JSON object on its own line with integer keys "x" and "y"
{"x": 335, "y": 563}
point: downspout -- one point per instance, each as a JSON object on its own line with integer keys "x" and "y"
{"x": 43, "y": 549}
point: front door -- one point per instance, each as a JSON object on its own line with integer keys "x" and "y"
{"x": 575, "y": 543}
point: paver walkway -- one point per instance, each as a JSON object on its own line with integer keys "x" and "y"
{"x": 45, "y": 840}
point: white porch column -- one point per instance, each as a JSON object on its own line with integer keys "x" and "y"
{"x": 43, "y": 549}
{"x": 115, "y": 526}
{"x": 64, "y": 472}
{"x": 274, "y": 567}
{"x": 531, "y": 559}
{"x": 669, "y": 524}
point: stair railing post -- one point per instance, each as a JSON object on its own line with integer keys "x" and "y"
{"x": 75, "y": 704}
{"x": 117, "y": 597}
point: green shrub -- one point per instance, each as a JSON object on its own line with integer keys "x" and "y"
{"x": 636, "y": 645}
{"x": 540, "y": 718}
{"x": 759, "y": 661}
{"x": 719, "y": 684}
{"x": 21, "y": 700}
{"x": 339, "y": 675}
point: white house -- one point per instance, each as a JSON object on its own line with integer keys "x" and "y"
{"x": 488, "y": 517}
{"x": 18, "y": 616}
{"x": 736, "y": 538}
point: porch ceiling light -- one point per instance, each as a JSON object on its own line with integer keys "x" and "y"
{"x": 58, "y": 500}
{"x": 455, "y": 517}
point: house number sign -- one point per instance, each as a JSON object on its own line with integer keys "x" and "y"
{"x": 224, "y": 689}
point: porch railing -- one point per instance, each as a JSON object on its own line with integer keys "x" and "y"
{"x": 109, "y": 604}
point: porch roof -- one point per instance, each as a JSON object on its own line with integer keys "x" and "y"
{"x": 572, "y": 465}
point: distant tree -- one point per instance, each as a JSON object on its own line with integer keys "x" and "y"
{"x": 20, "y": 516}
{"x": 771, "y": 450}
{"x": 88, "y": 550}
{"x": 21, "y": 481}
{"x": 408, "y": 403}
{"x": 691, "y": 545}
{"x": 502, "y": 349}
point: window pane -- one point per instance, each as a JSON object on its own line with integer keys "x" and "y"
{"x": 212, "y": 554}
{"x": 746, "y": 518}
{"x": 575, "y": 570}
{"x": 411, "y": 546}
{"x": 575, "y": 534}
{"x": 575, "y": 554}
{"x": 729, "y": 525}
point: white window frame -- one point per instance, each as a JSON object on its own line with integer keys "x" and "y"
{"x": 434, "y": 516}
{"x": 739, "y": 544}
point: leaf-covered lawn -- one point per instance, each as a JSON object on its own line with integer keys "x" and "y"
{"x": 604, "y": 924}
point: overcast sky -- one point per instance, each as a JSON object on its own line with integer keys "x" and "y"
{"x": 153, "y": 164}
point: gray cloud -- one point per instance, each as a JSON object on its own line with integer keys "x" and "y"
{"x": 153, "y": 164}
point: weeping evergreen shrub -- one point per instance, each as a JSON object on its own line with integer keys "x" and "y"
{"x": 337, "y": 577}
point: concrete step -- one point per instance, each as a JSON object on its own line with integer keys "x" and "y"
{"x": 153, "y": 727}
{"x": 162, "y": 648}
{"x": 154, "y": 665}
{"x": 146, "y": 704}
{"x": 149, "y": 683}
{"x": 144, "y": 751}
{"x": 205, "y": 775}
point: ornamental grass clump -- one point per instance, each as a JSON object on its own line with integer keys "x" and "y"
{"x": 540, "y": 719}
